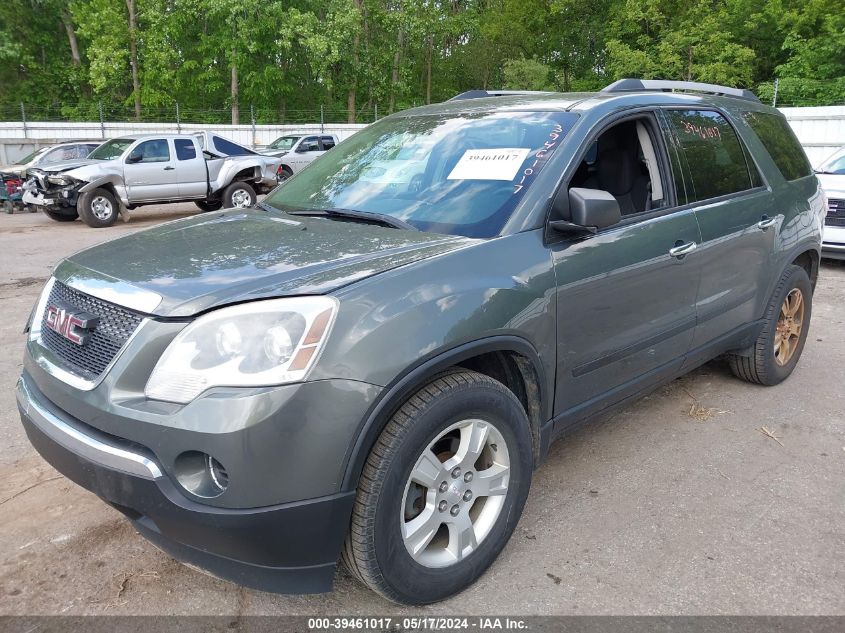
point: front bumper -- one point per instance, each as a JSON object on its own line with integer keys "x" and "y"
{"x": 833, "y": 242}
{"x": 288, "y": 548}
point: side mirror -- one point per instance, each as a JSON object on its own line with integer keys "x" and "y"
{"x": 135, "y": 156}
{"x": 589, "y": 210}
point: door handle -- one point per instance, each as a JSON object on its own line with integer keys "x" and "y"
{"x": 766, "y": 222}
{"x": 169, "y": 168}
{"x": 681, "y": 249}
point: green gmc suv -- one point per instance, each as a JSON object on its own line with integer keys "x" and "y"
{"x": 368, "y": 365}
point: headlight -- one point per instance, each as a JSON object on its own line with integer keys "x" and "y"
{"x": 61, "y": 180}
{"x": 255, "y": 344}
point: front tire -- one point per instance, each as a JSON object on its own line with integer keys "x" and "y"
{"x": 98, "y": 208}
{"x": 442, "y": 490}
{"x": 60, "y": 216}
{"x": 239, "y": 195}
{"x": 777, "y": 349}
{"x": 206, "y": 206}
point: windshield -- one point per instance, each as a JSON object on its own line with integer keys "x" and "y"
{"x": 456, "y": 174}
{"x": 284, "y": 142}
{"x": 30, "y": 157}
{"x": 835, "y": 164}
{"x": 111, "y": 149}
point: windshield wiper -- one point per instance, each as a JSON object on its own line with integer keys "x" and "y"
{"x": 366, "y": 216}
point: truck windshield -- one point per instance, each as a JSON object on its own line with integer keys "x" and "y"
{"x": 460, "y": 174}
{"x": 284, "y": 142}
{"x": 111, "y": 149}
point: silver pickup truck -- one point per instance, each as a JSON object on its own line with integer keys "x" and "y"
{"x": 297, "y": 151}
{"x": 133, "y": 171}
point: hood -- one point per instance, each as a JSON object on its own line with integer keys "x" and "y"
{"x": 211, "y": 260}
{"x": 833, "y": 185}
{"x": 68, "y": 165}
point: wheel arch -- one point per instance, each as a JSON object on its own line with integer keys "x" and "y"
{"x": 510, "y": 359}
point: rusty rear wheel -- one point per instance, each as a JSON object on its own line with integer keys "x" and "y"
{"x": 778, "y": 347}
{"x": 788, "y": 329}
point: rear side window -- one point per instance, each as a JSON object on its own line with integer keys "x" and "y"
{"x": 230, "y": 148}
{"x": 779, "y": 140}
{"x": 185, "y": 149}
{"x": 714, "y": 155}
{"x": 328, "y": 142}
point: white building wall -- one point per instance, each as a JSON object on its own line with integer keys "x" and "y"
{"x": 821, "y": 130}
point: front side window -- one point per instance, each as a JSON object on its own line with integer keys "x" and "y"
{"x": 460, "y": 174}
{"x": 309, "y": 144}
{"x": 111, "y": 149}
{"x": 185, "y": 149}
{"x": 155, "y": 151}
{"x": 716, "y": 161}
{"x": 780, "y": 141}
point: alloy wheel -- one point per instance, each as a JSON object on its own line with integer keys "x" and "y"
{"x": 788, "y": 329}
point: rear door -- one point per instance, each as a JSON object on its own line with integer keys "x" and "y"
{"x": 734, "y": 210}
{"x": 191, "y": 173}
{"x": 153, "y": 175}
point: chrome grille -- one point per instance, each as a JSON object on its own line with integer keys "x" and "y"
{"x": 115, "y": 326}
{"x": 835, "y": 212}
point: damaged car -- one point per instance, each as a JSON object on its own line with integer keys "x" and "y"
{"x": 132, "y": 171}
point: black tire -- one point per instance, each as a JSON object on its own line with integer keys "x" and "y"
{"x": 61, "y": 216}
{"x": 761, "y": 366}
{"x": 98, "y": 208}
{"x": 8, "y": 207}
{"x": 31, "y": 208}
{"x": 375, "y": 551}
{"x": 206, "y": 205}
{"x": 239, "y": 195}
{"x": 283, "y": 174}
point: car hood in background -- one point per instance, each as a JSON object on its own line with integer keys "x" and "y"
{"x": 187, "y": 266}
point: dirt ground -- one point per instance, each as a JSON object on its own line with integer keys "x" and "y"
{"x": 679, "y": 504}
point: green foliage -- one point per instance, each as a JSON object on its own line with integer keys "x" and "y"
{"x": 293, "y": 56}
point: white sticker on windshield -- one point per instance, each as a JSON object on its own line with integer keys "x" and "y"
{"x": 489, "y": 164}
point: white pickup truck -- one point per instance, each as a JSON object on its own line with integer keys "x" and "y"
{"x": 133, "y": 171}
{"x": 298, "y": 150}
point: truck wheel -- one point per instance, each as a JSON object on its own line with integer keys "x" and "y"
{"x": 205, "y": 206}
{"x": 239, "y": 195}
{"x": 32, "y": 208}
{"x": 8, "y": 207}
{"x": 98, "y": 208}
{"x": 283, "y": 173}
{"x": 62, "y": 216}
{"x": 442, "y": 489}
{"x": 787, "y": 319}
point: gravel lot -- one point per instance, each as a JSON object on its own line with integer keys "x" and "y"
{"x": 677, "y": 504}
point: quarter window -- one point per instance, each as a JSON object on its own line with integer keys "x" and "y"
{"x": 779, "y": 140}
{"x": 715, "y": 157}
{"x": 185, "y": 149}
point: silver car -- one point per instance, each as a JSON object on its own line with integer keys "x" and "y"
{"x": 831, "y": 174}
{"x": 133, "y": 171}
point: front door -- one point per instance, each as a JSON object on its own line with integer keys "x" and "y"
{"x": 626, "y": 296}
{"x": 150, "y": 173}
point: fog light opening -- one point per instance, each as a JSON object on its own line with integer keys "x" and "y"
{"x": 201, "y": 474}
{"x": 218, "y": 473}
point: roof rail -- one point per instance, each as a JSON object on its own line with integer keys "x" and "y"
{"x": 637, "y": 85}
{"x": 480, "y": 94}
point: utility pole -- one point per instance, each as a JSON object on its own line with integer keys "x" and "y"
{"x": 775, "y": 96}
{"x": 23, "y": 120}
{"x": 178, "y": 120}
{"x": 322, "y": 120}
{"x": 102, "y": 120}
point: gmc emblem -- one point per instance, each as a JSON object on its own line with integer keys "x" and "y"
{"x": 74, "y": 326}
